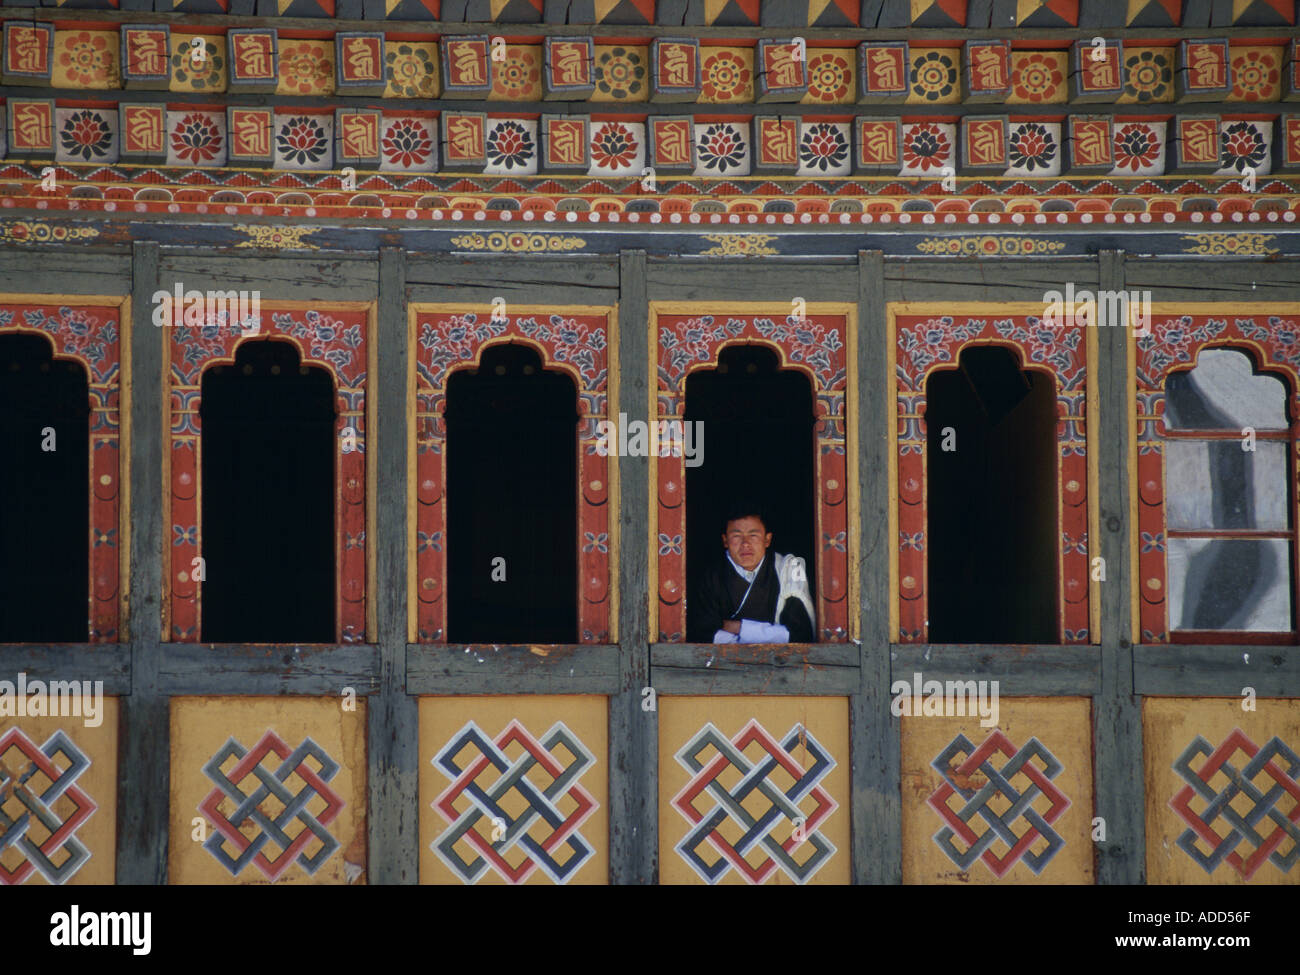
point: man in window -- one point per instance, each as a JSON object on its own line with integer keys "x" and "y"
{"x": 752, "y": 595}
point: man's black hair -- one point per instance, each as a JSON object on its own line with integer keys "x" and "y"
{"x": 744, "y": 508}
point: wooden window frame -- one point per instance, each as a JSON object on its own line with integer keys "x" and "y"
{"x": 929, "y": 336}
{"x": 830, "y": 363}
{"x": 464, "y": 330}
{"x": 102, "y": 349}
{"x": 191, "y": 351}
{"x": 1179, "y": 333}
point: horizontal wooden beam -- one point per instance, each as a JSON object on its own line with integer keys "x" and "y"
{"x": 1022, "y": 671}
{"x": 512, "y": 668}
{"x": 110, "y": 663}
{"x": 690, "y": 279}
{"x": 811, "y": 669}
{"x": 1182, "y": 670}
{"x": 268, "y": 668}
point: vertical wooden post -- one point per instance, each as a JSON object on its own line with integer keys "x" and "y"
{"x": 1117, "y": 712}
{"x": 144, "y": 754}
{"x": 633, "y": 731}
{"x": 392, "y": 715}
{"x": 874, "y": 733}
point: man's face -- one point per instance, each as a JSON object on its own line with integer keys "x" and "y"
{"x": 747, "y": 540}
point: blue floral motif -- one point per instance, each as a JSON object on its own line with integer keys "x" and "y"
{"x": 1153, "y": 543}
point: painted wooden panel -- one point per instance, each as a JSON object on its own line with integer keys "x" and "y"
{"x": 58, "y": 793}
{"x": 1174, "y": 337}
{"x": 1222, "y": 791}
{"x": 930, "y": 337}
{"x": 810, "y": 337}
{"x": 1009, "y": 803}
{"x": 514, "y": 790}
{"x": 571, "y": 339}
{"x": 267, "y": 790}
{"x": 332, "y": 336}
{"x": 89, "y": 331}
{"x": 754, "y": 790}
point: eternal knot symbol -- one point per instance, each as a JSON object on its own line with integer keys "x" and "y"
{"x": 253, "y": 811}
{"x": 39, "y": 833}
{"x": 982, "y": 786}
{"x": 1264, "y": 803}
{"x": 491, "y": 783}
{"x": 759, "y": 807}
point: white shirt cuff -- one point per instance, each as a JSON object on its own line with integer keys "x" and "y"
{"x": 751, "y": 631}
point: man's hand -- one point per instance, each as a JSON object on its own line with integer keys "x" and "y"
{"x": 732, "y": 626}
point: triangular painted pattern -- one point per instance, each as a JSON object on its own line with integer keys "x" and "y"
{"x": 1047, "y": 13}
{"x": 1153, "y": 13}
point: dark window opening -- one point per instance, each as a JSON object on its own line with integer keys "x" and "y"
{"x": 759, "y": 445}
{"x": 268, "y": 489}
{"x": 512, "y": 489}
{"x": 44, "y": 505}
{"x": 992, "y": 508}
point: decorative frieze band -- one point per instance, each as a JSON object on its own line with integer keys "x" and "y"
{"x": 664, "y": 70}
{"x": 1002, "y": 145}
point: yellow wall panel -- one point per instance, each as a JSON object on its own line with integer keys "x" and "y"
{"x": 754, "y": 790}
{"x": 278, "y": 786}
{"x": 1041, "y": 747}
{"x": 1195, "y": 750}
{"x": 514, "y": 789}
{"x": 35, "y": 755}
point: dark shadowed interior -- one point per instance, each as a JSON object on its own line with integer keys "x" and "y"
{"x": 44, "y": 508}
{"x": 991, "y": 502}
{"x": 512, "y": 495}
{"x": 267, "y": 446}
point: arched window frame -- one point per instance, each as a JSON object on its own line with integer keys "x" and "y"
{"x": 690, "y": 335}
{"x": 925, "y": 337}
{"x": 93, "y": 330}
{"x": 1178, "y": 334}
{"x": 344, "y": 350}
{"x": 452, "y": 336}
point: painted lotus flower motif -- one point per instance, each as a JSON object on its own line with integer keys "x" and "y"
{"x": 724, "y": 77}
{"x": 1254, "y": 76}
{"x": 1031, "y": 147}
{"x": 619, "y": 73}
{"x": 1136, "y": 147}
{"x": 196, "y": 139}
{"x": 510, "y": 145}
{"x": 305, "y": 69}
{"x": 1147, "y": 76}
{"x": 829, "y": 77}
{"x": 198, "y": 73}
{"x": 406, "y": 143}
{"x": 86, "y": 134}
{"x": 89, "y": 59}
{"x": 720, "y": 148}
{"x": 933, "y": 76}
{"x": 517, "y": 78}
{"x": 1037, "y": 77}
{"x": 925, "y": 147}
{"x": 302, "y": 140}
{"x": 614, "y": 146}
{"x": 410, "y": 71}
{"x": 823, "y": 147}
{"x": 1241, "y": 146}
